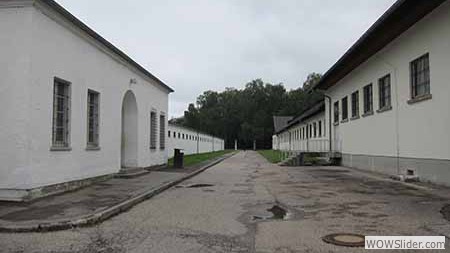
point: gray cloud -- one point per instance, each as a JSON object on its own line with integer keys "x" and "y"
{"x": 196, "y": 45}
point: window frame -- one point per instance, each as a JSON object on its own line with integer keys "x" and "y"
{"x": 355, "y": 105}
{"x": 65, "y": 146}
{"x": 384, "y": 93}
{"x": 414, "y": 73}
{"x": 336, "y": 113}
{"x": 153, "y": 130}
{"x": 95, "y": 145}
{"x": 344, "y": 105}
{"x": 368, "y": 100}
{"x": 320, "y": 128}
{"x": 162, "y": 131}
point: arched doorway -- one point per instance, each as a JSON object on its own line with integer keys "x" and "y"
{"x": 129, "y": 145}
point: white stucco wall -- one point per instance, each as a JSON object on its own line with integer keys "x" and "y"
{"x": 417, "y": 130}
{"x": 193, "y": 141}
{"x": 37, "y": 45}
{"x": 292, "y": 138}
{"x": 15, "y": 41}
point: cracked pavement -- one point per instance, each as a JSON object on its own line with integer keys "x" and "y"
{"x": 232, "y": 214}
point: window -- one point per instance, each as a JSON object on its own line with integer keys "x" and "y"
{"x": 162, "y": 131}
{"x": 384, "y": 88}
{"x": 420, "y": 76}
{"x": 93, "y": 119}
{"x": 336, "y": 112}
{"x": 179, "y": 135}
{"x": 153, "y": 130}
{"x": 345, "y": 109}
{"x": 61, "y": 114}
{"x": 315, "y": 129}
{"x": 168, "y": 133}
{"x": 320, "y": 128}
{"x": 368, "y": 99}
{"x": 355, "y": 104}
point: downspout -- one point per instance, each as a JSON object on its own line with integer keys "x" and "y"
{"x": 330, "y": 144}
{"x": 329, "y": 121}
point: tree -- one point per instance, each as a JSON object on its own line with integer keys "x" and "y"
{"x": 246, "y": 114}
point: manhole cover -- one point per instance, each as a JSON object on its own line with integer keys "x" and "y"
{"x": 345, "y": 239}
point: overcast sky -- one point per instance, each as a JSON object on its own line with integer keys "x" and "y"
{"x": 198, "y": 45}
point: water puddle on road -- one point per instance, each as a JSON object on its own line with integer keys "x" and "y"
{"x": 199, "y": 185}
{"x": 278, "y": 213}
{"x": 194, "y": 186}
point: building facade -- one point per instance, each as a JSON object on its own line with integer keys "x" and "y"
{"x": 192, "y": 141}
{"x": 75, "y": 107}
{"x": 389, "y": 94}
{"x": 305, "y": 133}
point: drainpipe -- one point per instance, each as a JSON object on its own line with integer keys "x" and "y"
{"x": 329, "y": 120}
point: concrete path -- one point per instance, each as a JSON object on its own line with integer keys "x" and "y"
{"x": 228, "y": 212}
{"x": 92, "y": 204}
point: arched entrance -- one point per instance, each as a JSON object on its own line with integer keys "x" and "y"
{"x": 129, "y": 145}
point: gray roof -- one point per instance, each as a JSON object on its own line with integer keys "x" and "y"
{"x": 312, "y": 111}
{"x": 280, "y": 122}
{"x": 395, "y": 21}
{"x": 75, "y": 21}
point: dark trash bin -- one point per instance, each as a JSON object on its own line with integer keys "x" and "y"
{"x": 178, "y": 158}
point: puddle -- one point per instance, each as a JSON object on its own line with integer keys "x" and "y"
{"x": 194, "y": 186}
{"x": 445, "y": 211}
{"x": 199, "y": 185}
{"x": 278, "y": 213}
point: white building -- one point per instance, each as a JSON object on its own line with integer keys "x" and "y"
{"x": 74, "y": 107}
{"x": 390, "y": 94}
{"x": 191, "y": 141}
{"x": 305, "y": 133}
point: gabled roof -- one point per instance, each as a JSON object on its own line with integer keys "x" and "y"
{"x": 312, "y": 111}
{"x": 75, "y": 21}
{"x": 280, "y": 122}
{"x": 395, "y": 21}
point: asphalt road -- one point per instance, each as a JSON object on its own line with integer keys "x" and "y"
{"x": 229, "y": 212}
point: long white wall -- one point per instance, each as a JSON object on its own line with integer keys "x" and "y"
{"x": 38, "y": 45}
{"x": 411, "y": 131}
{"x": 304, "y": 136}
{"x": 191, "y": 141}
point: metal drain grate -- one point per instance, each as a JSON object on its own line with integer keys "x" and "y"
{"x": 345, "y": 239}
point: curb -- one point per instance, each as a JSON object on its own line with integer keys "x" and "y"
{"x": 103, "y": 215}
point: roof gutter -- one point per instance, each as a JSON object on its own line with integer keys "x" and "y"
{"x": 402, "y": 15}
{"x": 78, "y": 23}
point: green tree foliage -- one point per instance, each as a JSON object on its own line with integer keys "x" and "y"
{"x": 246, "y": 114}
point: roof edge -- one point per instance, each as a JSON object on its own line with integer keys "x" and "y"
{"x": 420, "y": 10}
{"x": 78, "y": 23}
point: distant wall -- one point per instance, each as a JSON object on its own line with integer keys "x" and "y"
{"x": 191, "y": 141}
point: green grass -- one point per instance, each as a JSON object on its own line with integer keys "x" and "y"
{"x": 273, "y": 156}
{"x": 194, "y": 159}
